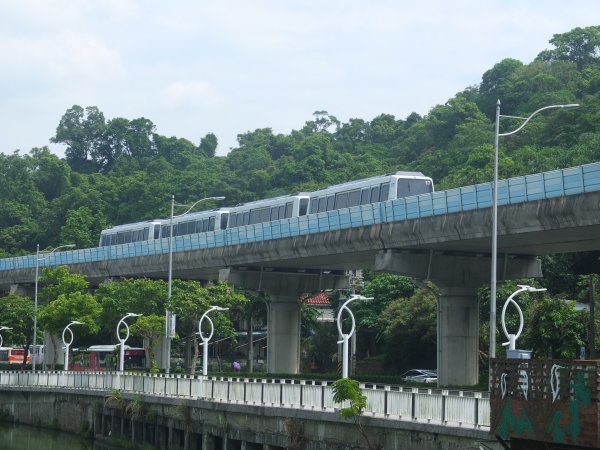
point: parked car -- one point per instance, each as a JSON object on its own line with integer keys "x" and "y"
{"x": 420, "y": 375}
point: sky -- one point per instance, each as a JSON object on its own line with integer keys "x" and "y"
{"x": 227, "y": 67}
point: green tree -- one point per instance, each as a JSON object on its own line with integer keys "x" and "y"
{"x": 151, "y": 328}
{"x": 81, "y": 131}
{"x": 58, "y": 281}
{"x": 410, "y": 330}
{"x": 139, "y": 296}
{"x": 384, "y": 288}
{"x": 553, "y": 327}
{"x": 208, "y": 145}
{"x": 580, "y": 45}
{"x": 17, "y": 313}
{"x": 82, "y": 227}
{"x": 347, "y": 390}
{"x": 190, "y": 300}
{"x": 78, "y": 306}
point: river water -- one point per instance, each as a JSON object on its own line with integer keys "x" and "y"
{"x": 22, "y": 437}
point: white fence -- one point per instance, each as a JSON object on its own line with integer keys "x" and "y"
{"x": 463, "y": 408}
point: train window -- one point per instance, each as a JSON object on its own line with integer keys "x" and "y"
{"x": 314, "y": 205}
{"x": 341, "y": 200}
{"x": 289, "y": 208}
{"x": 282, "y": 212}
{"x": 417, "y": 187}
{"x": 385, "y": 192}
{"x": 113, "y": 239}
{"x": 255, "y": 216}
{"x": 365, "y": 196}
{"x": 145, "y": 234}
{"x": 403, "y": 189}
{"x": 354, "y": 198}
{"x": 303, "y": 206}
{"x": 375, "y": 194}
{"x": 156, "y": 231}
{"x": 211, "y": 224}
{"x": 164, "y": 231}
{"x": 275, "y": 213}
{"x": 120, "y": 238}
{"x": 265, "y": 214}
{"x": 135, "y": 235}
{"x": 330, "y": 203}
{"x": 322, "y": 204}
{"x": 232, "y": 221}
{"x": 190, "y": 227}
{"x": 224, "y": 217}
{"x": 246, "y": 220}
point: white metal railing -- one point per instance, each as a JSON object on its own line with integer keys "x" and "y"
{"x": 464, "y": 408}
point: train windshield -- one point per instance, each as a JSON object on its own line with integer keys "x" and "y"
{"x": 407, "y": 188}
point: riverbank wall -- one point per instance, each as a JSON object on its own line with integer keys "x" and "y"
{"x": 194, "y": 424}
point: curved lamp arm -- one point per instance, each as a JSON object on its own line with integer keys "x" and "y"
{"x": 212, "y": 327}
{"x": 527, "y": 119}
{"x": 3, "y": 328}
{"x": 122, "y": 321}
{"x": 68, "y": 328}
{"x": 190, "y": 207}
{"x": 510, "y": 299}
{"x": 345, "y": 307}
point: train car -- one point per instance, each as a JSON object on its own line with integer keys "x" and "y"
{"x": 370, "y": 190}
{"x": 360, "y": 192}
{"x": 197, "y": 222}
{"x": 268, "y": 210}
{"x": 132, "y": 232}
{"x": 102, "y": 358}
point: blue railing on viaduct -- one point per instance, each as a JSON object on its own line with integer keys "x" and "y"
{"x": 570, "y": 181}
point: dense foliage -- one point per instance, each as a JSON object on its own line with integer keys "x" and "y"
{"x": 121, "y": 170}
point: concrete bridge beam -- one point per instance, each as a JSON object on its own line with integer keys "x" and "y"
{"x": 458, "y": 276}
{"x": 283, "y": 323}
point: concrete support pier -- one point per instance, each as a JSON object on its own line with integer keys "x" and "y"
{"x": 458, "y": 276}
{"x": 284, "y": 289}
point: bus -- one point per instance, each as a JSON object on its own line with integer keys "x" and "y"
{"x": 13, "y": 355}
{"x": 103, "y": 358}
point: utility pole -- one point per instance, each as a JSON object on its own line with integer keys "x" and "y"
{"x": 592, "y": 324}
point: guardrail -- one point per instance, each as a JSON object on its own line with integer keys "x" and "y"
{"x": 461, "y": 408}
{"x": 571, "y": 181}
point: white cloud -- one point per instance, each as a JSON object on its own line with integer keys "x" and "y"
{"x": 228, "y": 67}
{"x": 186, "y": 94}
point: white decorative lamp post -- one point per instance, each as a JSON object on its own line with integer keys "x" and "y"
{"x": 122, "y": 340}
{"x": 68, "y": 344}
{"x": 346, "y": 336}
{"x": 512, "y": 338}
{"x": 207, "y": 338}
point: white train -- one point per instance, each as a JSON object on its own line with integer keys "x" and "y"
{"x": 360, "y": 192}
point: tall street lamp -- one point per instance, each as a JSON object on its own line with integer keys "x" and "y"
{"x": 122, "y": 340}
{"x": 170, "y": 282}
{"x": 68, "y": 344}
{"x": 346, "y": 336}
{"x": 492, "y": 350}
{"x": 1, "y": 329}
{"x": 207, "y": 338}
{"x": 512, "y": 338}
{"x": 35, "y": 301}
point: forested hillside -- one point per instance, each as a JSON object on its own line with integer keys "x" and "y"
{"x": 121, "y": 170}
